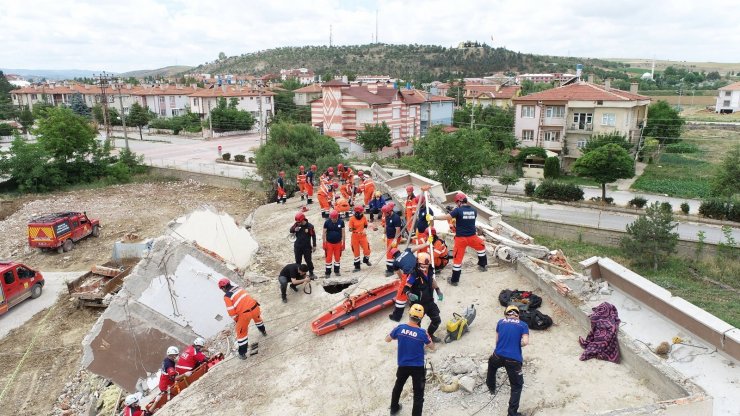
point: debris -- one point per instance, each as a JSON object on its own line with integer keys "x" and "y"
{"x": 450, "y": 388}
{"x": 463, "y": 366}
{"x": 467, "y": 383}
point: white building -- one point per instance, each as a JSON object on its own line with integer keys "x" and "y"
{"x": 728, "y": 99}
{"x": 204, "y": 100}
{"x": 164, "y": 100}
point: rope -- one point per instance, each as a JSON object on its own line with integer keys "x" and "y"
{"x": 498, "y": 388}
{"x": 25, "y": 355}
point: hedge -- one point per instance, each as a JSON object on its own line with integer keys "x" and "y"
{"x": 558, "y": 191}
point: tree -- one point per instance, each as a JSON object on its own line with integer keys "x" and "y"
{"x": 291, "y": 145}
{"x": 529, "y": 87}
{"x": 227, "y": 117}
{"x": 26, "y": 119}
{"x": 605, "y": 164}
{"x": 454, "y": 159}
{"x": 726, "y": 179}
{"x": 663, "y": 123}
{"x": 601, "y": 139}
{"x": 291, "y": 84}
{"x": 7, "y": 110}
{"x": 138, "y": 116}
{"x": 650, "y": 238}
{"x": 65, "y": 136}
{"x": 221, "y": 56}
{"x": 508, "y": 179}
{"x": 457, "y": 91}
{"x": 552, "y": 168}
{"x": 497, "y": 121}
{"x": 374, "y": 137}
{"x": 77, "y": 104}
{"x": 41, "y": 108}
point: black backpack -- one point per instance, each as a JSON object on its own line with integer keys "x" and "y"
{"x": 535, "y": 319}
{"x": 521, "y": 298}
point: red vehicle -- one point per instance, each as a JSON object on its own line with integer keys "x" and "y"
{"x": 18, "y": 283}
{"x": 61, "y": 230}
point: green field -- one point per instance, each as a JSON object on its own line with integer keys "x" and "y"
{"x": 683, "y": 277}
{"x": 688, "y": 175}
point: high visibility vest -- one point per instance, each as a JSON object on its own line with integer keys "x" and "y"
{"x": 301, "y": 178}
{"x": 238, "y": 301}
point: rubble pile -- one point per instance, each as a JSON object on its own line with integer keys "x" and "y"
{"x": 79, "y": 393}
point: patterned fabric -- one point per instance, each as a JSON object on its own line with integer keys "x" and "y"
{"x": 602, "y": 341}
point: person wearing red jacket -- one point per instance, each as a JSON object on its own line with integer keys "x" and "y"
{"x": 191, "y": 358}
{"x": 132, "y": 407}
{"x": 168, "y": 373}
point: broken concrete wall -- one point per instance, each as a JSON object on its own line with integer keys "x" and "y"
{"x": 169, "y": 298}
{"x": 687, "y": 397}
{"x": 704, "y": 325}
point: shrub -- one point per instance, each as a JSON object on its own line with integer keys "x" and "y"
{"x": 666, "y": 206}
{"x": 609, "y": 200}
{"x": 251, "y": 159}
{"x": 733, "y": 213}
{"x": 685, "y": 208}
{"x": 637, "y": 202}
{"x": 716, "y": 208}
{"x": 240, "y": 158}
{"x": 559, "y": 191}
{"x": 6, "y": 129}
{"x": 529, "y": 188}
{"x": 552, "y": 168}
{"x": 226, "y": 156}
{"x": 681, "y": 148}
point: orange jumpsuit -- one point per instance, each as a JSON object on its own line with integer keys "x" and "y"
{"x": 347, "y": 175}
{"x": 347, "y": 190}
{"x": 411, "y": 205}
{"x": 368, "y": 189}
{"x": 300, "y": 179}
{"x": 243, "y": 309}
{"x": 325, "y": 195}
{"x": 358, "y": 228}
{"x": 440, "y": 253}
{"x": 341, "y": 205}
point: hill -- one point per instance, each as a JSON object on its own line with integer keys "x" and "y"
{"x": 166, "y": 71}
{"x": 421, "y": 63}
{"x": 54, "y": 74}
{"x": 660, "y": 65}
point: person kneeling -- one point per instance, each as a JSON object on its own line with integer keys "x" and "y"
{"x": 293, "y": 274}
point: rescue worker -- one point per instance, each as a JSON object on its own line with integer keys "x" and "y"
{"x": 191, "y": 357}
{"x": 392, "y": 235}
{"x": 411, "y": 205}
{"x": 328, "y": 175}
{"x": 420, "y": 287}
{"x": 422, "y": 223}
{"x": 243, "y": 309}
{"x": 168, "y": 372}
{"x": 333, "y": 238}
{"x": 345, "y": 174}
{"x": 465, "y": 235}
{"x": 132, "y": 406}
{"x": 281, "y": 194}
{"x": 358, "y": 228}
{"x": 326, "y": 196}
{"x": 348, "y": 191}
{"x": 375, "y": 205}
{"x": 310, "y": 184}
{"x": 404, "y": 263}
{"x": 300, "y": 180}
{"x": 411, "y": 343}
{"x": 305, "y": 241}
{"x": 293, "y": 274}
{"x": 511, "y": 335}
{"x": 441, "y": 252}
{"x": 341, "y": 205}
{"x": 368, "y": 188}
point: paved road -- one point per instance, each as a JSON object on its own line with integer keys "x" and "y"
{"x": 600, "y": 219}
{"x": 18, "y": 315}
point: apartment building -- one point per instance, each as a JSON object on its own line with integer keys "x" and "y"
{"x": 248, "y": 99}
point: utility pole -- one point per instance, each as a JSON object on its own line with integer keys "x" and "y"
{"x": 259, "y": 90}
{"x": 472, "y": 116}
{"x": 103, "y": 83}
{"x": 330, "y": 36}
{"x": 210, "y": 118}
{"x": 118, "y": 86}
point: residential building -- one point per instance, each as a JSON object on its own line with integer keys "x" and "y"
{"x": 344, "y": 110}
{"x": 496, "y": 95}
{"x": 165, "y": 100}
{"x": 728, "y": 98}
{"x": 439, "y": 88}
{"x": 204, "y": 100}
{"x": 371, "y": 79}
{"x": 556, "y": 77}
{"x": 436, "y": 110}
{"x": 302, "y": 75}
{"x": 62, "y": 93}
{"x": 562, "y": 119}
{"x": 304, "y": 96}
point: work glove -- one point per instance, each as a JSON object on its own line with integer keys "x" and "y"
{"x": 412, "y": 297}
{"x": 430, "y": 239}
{"x": 440, "y": 296}
{"x": 429, "y": 218}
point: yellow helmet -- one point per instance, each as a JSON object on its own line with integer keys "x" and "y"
{"x": 511, "y": 308}
{"x": 377, "y": 193}
{"x": 416, "y": 311}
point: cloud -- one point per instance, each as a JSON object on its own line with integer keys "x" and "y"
{"x": 138, "y": 34}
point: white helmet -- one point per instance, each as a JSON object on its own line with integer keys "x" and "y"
{"x": 199, "y": 342}
{"x": 173, "y": 351}
{"x": 131, "y": 399}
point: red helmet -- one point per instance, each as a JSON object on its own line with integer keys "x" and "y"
{"x": 331, "y": 173}
{"x": 359, "y": 208}
{"x": 386, "y": 208}
{"x": 410, "y": 189}
{"x": 281, "y": 173}
{"x": 360, "y": 173}
{"x": 460, "y": 197}
{"x": 433, "y": 230}
{"x": 301, "y": 167}
{"x": 313, "y": 167}
{"x": 223, "y": 283}
{"x": 334, "y": 215}
{"x": 300, "y": 217}
{"x": 330, "y": 170}
{"x": 340, "y": 166}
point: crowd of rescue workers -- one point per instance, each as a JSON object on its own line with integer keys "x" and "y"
{"x": 342, "y": 195}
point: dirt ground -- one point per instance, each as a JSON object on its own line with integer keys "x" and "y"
{"x": 144, "y": 209}
{"x": 351, "y": 371}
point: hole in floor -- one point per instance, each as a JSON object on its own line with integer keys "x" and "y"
{"x": 337, "y": 286}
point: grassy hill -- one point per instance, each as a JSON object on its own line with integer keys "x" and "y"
{"x": 640, "y": 66}
{"x": 421, "y": 63}
{"x": 167, "y": 71}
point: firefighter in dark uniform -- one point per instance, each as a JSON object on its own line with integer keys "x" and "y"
{"x": 420, "y": 287}
{"x": 305, "y": 241}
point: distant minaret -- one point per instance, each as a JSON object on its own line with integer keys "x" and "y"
{"x": 652, "y": 71}
{"x": 330, "y": 36}
{"x": 376, "y": 25}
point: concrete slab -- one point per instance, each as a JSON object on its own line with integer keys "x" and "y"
{"x": 711, "y": 370}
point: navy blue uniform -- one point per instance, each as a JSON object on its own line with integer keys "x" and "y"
{"x": 391, "y": 223}
{"x": 411, "y": 342}
{"x": 508, "y": 354}
{"x": 421, "y": 223}
{"x": 464, "y": 216}
{"x": 334, "y": 231}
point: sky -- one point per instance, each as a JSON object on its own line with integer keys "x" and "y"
{"x": 119, "y": 36}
